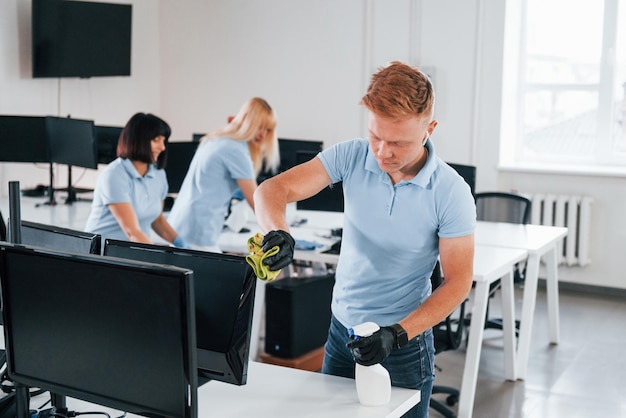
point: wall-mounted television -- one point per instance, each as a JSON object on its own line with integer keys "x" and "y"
{"x": 80, "y": 39}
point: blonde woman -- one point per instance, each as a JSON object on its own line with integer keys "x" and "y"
{"x": 226, "y": 160}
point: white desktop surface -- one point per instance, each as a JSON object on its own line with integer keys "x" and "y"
{"x": 279, "y": 392}
{"x": 276, "y": 391}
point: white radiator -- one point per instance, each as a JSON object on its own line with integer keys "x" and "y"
{"x": 573, "y": 212}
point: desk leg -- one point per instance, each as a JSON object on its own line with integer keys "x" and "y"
{"x": 474, "y": 346}
{"x": 552, "y": 289}
{"x": 528, "y": 312}
{"x": 508, "y": 325}
{"x": 257, "y": 332}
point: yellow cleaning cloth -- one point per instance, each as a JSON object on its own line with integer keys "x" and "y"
{"x": 256, "y": 256}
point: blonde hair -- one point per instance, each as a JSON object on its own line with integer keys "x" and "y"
{"x": 255, "y": 114}
{"x": 399, "y": 90}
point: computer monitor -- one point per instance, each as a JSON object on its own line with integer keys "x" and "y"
{"x": 288, "y": 149}
{"x": 72, "y": 142}
{"x": 23, "y": 139}
{"x": 224, "y": 291}
{"x": 58, "y": 238}
{"x": 328, "y": 199}
{"x": 114, "y": 332}
{"x": 106, "y": 140}
{"x": 468, "y": 172}
{"x": 179, "y": 156}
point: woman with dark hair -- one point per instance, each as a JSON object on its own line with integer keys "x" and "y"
{"x": 129, "y": 194}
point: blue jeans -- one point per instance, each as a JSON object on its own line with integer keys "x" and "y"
{"x": 412, "y": 366}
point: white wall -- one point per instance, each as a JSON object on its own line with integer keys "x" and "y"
{"x": 106, "y": 100}
{"x": 196, "y": 61}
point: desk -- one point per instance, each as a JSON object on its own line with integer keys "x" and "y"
{"x": 316, "y": 228}
{"x": 536, "y": 240}
{"x": 281, "y": 392}
{"x": 539, "y": 241}
{"x": 490, "y": 264}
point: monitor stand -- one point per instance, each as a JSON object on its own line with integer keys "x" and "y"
{"x": 71, "y": 190}
{"x": 50, "y": 201}
{"x": 58, "y": 402}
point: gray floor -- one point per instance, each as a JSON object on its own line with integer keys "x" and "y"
{"x": 582, "y": 376}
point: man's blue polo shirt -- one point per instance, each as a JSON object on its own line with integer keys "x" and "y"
{"x": 391, "y": 232}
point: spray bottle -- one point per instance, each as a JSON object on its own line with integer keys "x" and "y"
{"x": 373, "y": 384}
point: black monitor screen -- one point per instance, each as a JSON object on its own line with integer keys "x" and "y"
{"x": 23, "y": 139}
{"x": 113, "y": 332}
{"x": 329, "y": 199}
{"x": 80, "y": 39}
{"x": 468, "y": 172}
{"x": 106, "y": 140}
{"x": 58, "y": 238}
{"x": 72, "y": 142}
{"x": 179, "y": 156}
{"x": 224, "y": 289}
{"x": 289, "y": 149}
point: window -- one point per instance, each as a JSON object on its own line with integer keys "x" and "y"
{"x": 565, "y": 82}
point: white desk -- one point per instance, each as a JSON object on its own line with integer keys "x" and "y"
{"x": 316, "y": 228}
{"x": 539, "y": 241}
{"x": 280, "y": 392}
{"x": 490, "y": 264}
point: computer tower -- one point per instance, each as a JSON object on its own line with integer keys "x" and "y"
{"x": 297, "y": 314}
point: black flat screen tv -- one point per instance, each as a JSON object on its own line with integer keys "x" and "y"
{"x": 119, "y": 333}
{"x": 80, "y": 38}
{"x": 224, "y": 289}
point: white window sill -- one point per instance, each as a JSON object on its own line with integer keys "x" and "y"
{"x": 578, "y": 170}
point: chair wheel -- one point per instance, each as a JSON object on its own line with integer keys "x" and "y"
{"x": 452, "y": 400}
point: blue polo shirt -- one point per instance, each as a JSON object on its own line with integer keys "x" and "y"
{"x": 391, "y": 232}
{"x": 121, "y": 183}
{"x": 202, "y": 202}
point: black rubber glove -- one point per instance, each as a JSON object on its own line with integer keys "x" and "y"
{"x": 375, "y": 348}
{"x": 286, "y": 245}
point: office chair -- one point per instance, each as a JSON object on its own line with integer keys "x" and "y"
{"x": 448, "y": 335}
{"x": 509, "y": 208}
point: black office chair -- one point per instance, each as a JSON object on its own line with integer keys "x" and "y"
{"x": 448, "y": 335}
{"x": 503, "y": 207}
